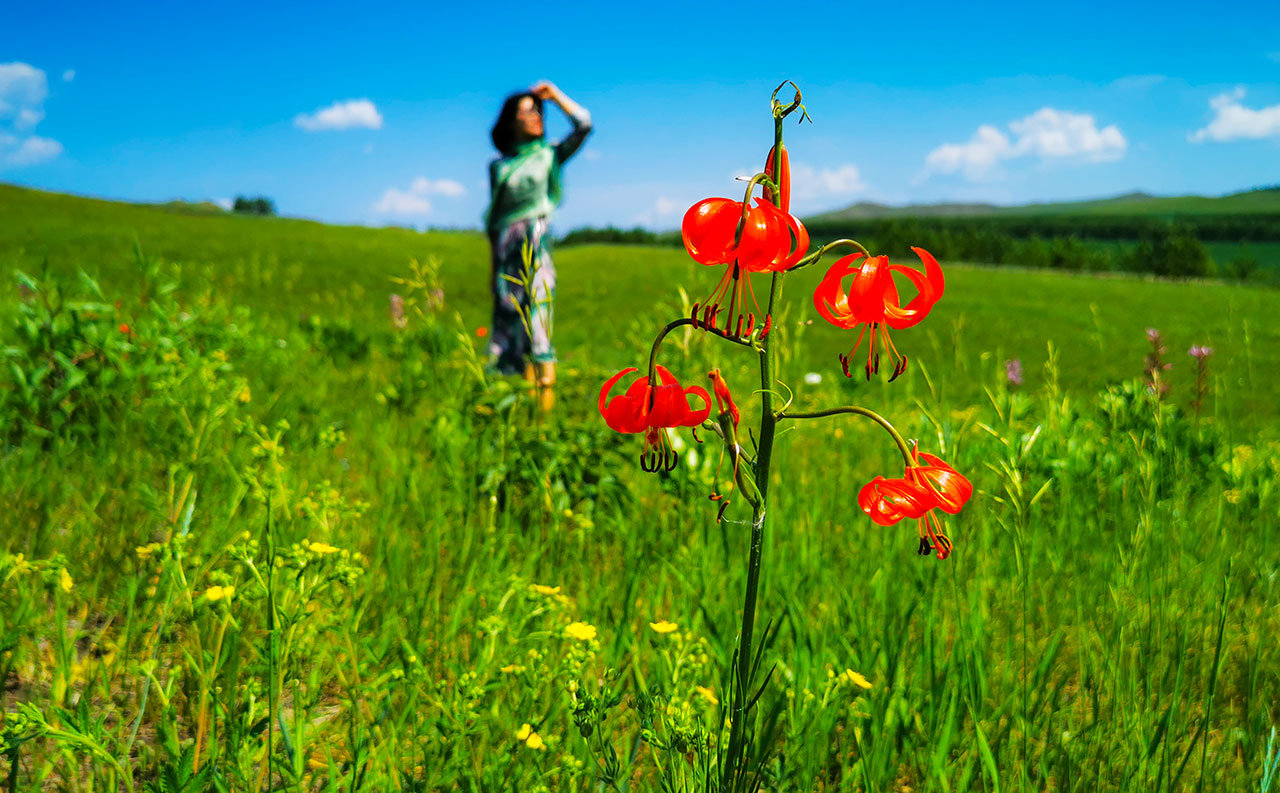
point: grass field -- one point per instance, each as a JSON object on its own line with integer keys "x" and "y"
{"x": 258, "y": 538}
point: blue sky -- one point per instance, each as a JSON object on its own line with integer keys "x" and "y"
{"x": 911, "y": 102}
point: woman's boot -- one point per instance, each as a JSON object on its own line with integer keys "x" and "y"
{"x": 546, "y": 383}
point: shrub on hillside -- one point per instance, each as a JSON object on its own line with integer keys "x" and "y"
{"x": 1172, "y": 251}
{"x": 260, "y": 205}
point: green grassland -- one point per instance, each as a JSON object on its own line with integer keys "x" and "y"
{"x": 289, "y": 269}
{"x": 255, "y": 537}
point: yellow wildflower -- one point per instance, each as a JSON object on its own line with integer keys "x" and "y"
{"x": 707, "y": 694}
{"x": 244, "y": 395}
{"x": 321, "y": 548}
{"x": 534, "y": 741}
{"x": 856, "y": 679}
{"x": 66, "y": 581}
{"x": 511, "y": 669}
{"x": 580, "y": 631}
{"x": 215, "y": 593}
{"x": 662, "y": 626}
{"x": 524, "y": 732}
{"x": 543, "y": 589}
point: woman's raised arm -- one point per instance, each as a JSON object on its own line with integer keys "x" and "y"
{"x": 577, "y": 114}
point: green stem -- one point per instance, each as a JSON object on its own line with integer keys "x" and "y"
{"x": 662, "y": 334}
{"x": 768, "y": 423}
{"x": 816, "y": 255}
{"x": 903, "y": 446}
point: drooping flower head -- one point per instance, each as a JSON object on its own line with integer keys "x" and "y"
{"x": 922, "y": 489}
{"x": 652, "y": 410}
{"x": 871, "y": 300}
{"x": 758, "y": 239}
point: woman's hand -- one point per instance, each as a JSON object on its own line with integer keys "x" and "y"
{"x": 545, "y": 90}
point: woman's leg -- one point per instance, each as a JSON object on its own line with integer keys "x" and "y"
{"x": 542, "y": 292}
{"x": 508, "y": 339}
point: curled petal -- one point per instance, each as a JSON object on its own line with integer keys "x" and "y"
{"x": 951, "y": 489}
{"x": 708, "y": 230}
{"x": 772, "y": 240}
{"x": 801, "y": 235}
{"x": 830, "y": 299}
{"x": 609, "y": 384}
{"x": 929, "y": 286}
{"x": 628, "y": 412}
{"x": 693, "y": 418}
{"x": 888, "y": 501}
{"x": 761, "y": 237}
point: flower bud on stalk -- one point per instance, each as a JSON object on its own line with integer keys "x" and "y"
{"x": 781, "y": 197}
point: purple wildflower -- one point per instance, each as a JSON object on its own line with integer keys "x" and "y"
{"x": 1013, "y": 372}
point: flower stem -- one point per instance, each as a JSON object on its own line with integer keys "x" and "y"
{"x": 768, "y": 423}
{"x": 816, "y": 255}
{"x": 662, "y": 334}
{"x": 903, "y": 446}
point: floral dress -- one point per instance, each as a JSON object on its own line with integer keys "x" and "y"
{"x": 525, "y": 189}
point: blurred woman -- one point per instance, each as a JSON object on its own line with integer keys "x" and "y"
{"x": 525, "y": 188}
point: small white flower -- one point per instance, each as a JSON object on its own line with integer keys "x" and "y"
{"x": 813, "y": 378}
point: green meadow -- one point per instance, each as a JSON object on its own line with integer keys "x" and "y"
{"x": 258, "y": 537}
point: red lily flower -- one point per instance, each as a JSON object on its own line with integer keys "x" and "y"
{"x": 771, "y": 240}
{"x": 872, "y": 300}
{"x": 923, "y": 488}
{"x": 653, "y": 410}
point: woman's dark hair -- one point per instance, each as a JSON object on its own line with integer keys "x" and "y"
{"x": 504, "y": 129}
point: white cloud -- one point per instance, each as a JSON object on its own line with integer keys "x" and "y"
{"x": 68, "y": 75}
{"x": 414, "y": 201}
{"x": 1234, "y": 121}
{"x": 21, "y": 86}
{"x": 341, "y": 115}
{"x": 225, "y": 203}
{"x": 28, "y": 151}
{"x": 1060, "y": 133}
{"x": 398, "y": 202}
{"x": 661, "y": 209}
{"x": 23, "y": 89}
{"x": 27, "y": 118}
{"x": 808, "y": 182}
{"x": 445, "y": 187}
{"x": 976, "y": 158}
{"x": 1047, "y": 134}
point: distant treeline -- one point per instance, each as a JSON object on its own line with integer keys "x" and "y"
{"x": 1096, "y": 244}
{"x": 1206, "y": 228}
{"x": 1172, "y": 249}
{"x": 616, "y": 236}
